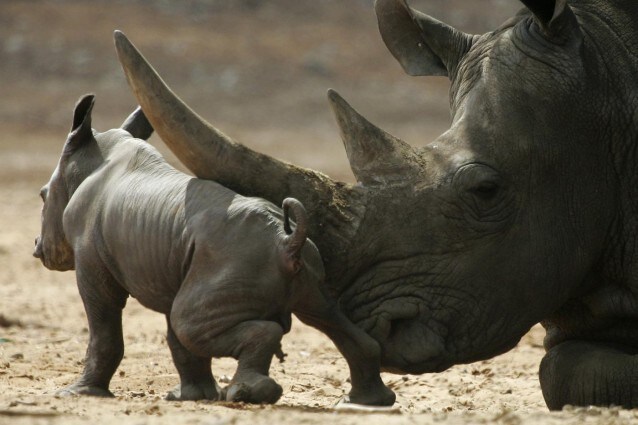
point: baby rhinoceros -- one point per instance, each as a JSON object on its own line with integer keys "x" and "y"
{"x": 226, "y": 270}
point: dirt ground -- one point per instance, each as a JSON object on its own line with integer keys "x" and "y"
{"x": 258, "y": 70}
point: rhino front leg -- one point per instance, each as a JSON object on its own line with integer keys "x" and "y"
{"x": 583, "y": 373}
{"x": 103, "y": 301}
{"x": 196, "y": 378}
{"x": 361, "y": 351}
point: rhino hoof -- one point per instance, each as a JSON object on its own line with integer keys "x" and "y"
{"x": 194, "y": 392}
{"x": 263, "y": 391}
{"x": 383, "y": 397}
{"x": 77, "y": 390}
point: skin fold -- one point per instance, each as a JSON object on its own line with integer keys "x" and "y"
{"x": 226, "y": 270}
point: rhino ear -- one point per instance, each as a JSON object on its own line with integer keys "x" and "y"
{"x": 552, "y": 16}
{"x": 421, "y": 44}
{"x": 81, "y": 130}
{"x": 137, "y": 125}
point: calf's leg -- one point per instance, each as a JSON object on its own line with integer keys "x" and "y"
{"x": 586, "y": 373}
{"x": 196, "y": 378}
{"x": 362, "y": 352}
{"x": 103, "y": 301}
{"x": 207, "y": 325}
{"x": 253, "y": 343}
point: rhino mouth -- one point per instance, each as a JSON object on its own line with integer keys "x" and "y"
{"x": 413, "y": 348}
{"x": 64, "y": 261}
{"x": 411, "y": 338}
{"x": 38, "y": 251}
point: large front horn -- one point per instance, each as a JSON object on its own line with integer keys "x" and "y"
{"x": 203, "y": 149}
{"x": 376, "y": 157}
{"x": 334, "y": 209}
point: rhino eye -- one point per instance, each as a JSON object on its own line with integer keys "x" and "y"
{"x": 478, "y": 185}
{"x": 485, "y": 190}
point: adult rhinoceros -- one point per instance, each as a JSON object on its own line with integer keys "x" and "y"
{"x": 525, "y": 210}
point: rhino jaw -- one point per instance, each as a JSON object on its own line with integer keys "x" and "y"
{"x": 59, "y": 259}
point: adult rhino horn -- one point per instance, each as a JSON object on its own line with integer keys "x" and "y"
{"x": 203, "y": 149}
{"x": 376, "y": 157}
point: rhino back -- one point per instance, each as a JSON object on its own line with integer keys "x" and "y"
{"x": 132, "y": 212}
{"x": 156, "y": 228}
{"x": 142, "y": 237}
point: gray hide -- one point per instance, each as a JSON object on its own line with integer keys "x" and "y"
{"x": 525, "y": 210}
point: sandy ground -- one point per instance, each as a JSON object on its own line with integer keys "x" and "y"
{"x": 261, "y": 70}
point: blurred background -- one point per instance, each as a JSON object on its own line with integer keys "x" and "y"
{"x": 256, "y": 69}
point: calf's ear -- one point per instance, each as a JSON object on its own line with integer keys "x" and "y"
{"x": 421, "y": 44}
{"x": 81, "y": 130}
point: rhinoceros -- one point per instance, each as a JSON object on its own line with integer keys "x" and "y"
{"x": 226, "y": 270}
{"x": 524, "y": 211}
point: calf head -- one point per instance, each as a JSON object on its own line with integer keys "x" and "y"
{"x": 80, "y": 156}
{"x": 451, "y": 252}
{"x": 51, "y": 246}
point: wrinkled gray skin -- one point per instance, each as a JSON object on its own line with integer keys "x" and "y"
{"x": 226, "y": 270}
{"x": 525, "y": 210}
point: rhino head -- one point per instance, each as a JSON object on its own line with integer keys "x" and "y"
{"x": 449, "y": 253}
{"x": 52, "y": 246}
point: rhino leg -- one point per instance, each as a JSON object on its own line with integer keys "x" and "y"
{"x": 253, "y": 343}
{"x": 362, "y": 352}
{"x": 103, "y": 301}
{"x": 222, "y": 329}
{"x": 196, "y": 378}
{"x": 583, "y": 373}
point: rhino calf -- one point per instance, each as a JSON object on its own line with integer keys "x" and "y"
{"x": 226, "y": 270}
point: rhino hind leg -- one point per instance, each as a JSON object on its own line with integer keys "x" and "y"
{"x": 196, "y": 379}
{"x": 208, "y": 333}
{"x": 583, "y": 373}
{"x": 253, "y": 343}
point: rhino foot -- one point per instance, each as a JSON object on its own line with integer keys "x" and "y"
{"x": 78, "y": 389}
{"x": 382, "y": 396}
{"x": 584, "y": 373}
{"x": 193, "y": 392}
{"x": 265, "y": 390}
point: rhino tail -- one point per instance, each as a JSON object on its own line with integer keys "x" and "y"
{"x": 295, "y": 237}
